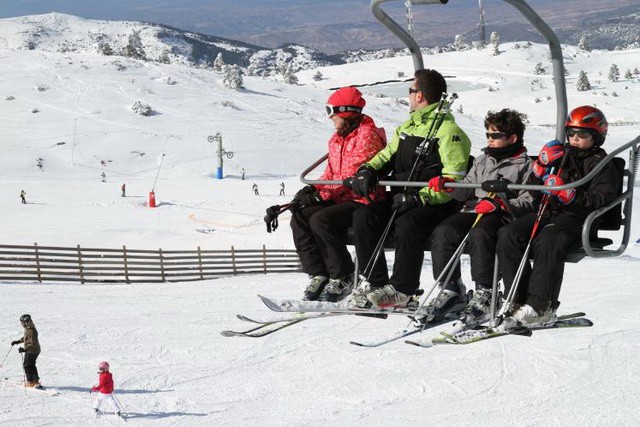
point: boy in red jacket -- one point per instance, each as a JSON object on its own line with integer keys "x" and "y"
{"x": 105, "y": 389}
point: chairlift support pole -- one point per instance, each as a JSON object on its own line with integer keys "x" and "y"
{"x": 534, "y": 19}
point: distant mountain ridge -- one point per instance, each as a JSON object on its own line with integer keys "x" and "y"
{"x": 66, "y": 33}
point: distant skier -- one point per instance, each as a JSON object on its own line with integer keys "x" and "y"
{"x": 255, "y": 189}
{"x": 243, "y": 174}
{"x": 103, "y": 176}
{"x": 123, "y": 187}
{"x": 23, "y": 196}
{"x": 31, "y": 350}
{"x": 282, "y": 188}
{"x": 105, "y": 389}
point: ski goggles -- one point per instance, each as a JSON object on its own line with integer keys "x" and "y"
{"x": 582, "y": 134}
{"x": 331, "y": 109}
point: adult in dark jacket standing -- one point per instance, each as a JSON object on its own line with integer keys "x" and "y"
{"x": 31, "y": 350}
{"x": 561, "y": 227}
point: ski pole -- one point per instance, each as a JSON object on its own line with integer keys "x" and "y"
{"x": 449, "y": 267}
{"x": 524, "y": 260}
{"x": 5, "y": 357}
{"x": 516, "y": 280}
{"x": 119, "y": 403}
{"x": 24, "y": 375}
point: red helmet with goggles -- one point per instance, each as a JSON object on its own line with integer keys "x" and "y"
{"x": 591, "y": 119}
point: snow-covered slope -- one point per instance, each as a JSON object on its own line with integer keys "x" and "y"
{"x": 170, "y": 364}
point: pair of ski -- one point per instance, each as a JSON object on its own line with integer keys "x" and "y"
{"x": 468, "y": 336}
{"x": 303, "y": 310}
{"x": 41, "y": 390}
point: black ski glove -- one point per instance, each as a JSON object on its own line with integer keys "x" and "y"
{"x": 21, "y": 350}
{"x": 365, "y": 181}
{"x": 271, "y": 218}
{"x": 14, "y": 343}
{"x": 404, "y": 202}
{"x": 306, "y": 197}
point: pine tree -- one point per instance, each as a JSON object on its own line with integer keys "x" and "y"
{"x": 134, "y": 48}
{"x": 614, "y": 73}
{"x": 628, "y": 74}
{"x": 317, "y": 76}
{"x": 483, "y": 31}
{"x": 582, "y": 84}
{"x": 105, "y": 49}
{"x": 495, "y": 42}
{"x": 458, "y": 42}
{"x": 288, "y": 76}
{"x": 164, "y": 57}
{"x": 232, "y": 77}
{"x": 582, "y": 44}
{"x": 218, "y": 63}
{"x": 538, "y": 69}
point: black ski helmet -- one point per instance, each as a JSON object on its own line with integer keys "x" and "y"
{"x": 25, "y": 318}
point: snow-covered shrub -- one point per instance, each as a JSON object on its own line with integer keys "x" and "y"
{"x": 142, "y": 109}
{"x": 317, "y": 76}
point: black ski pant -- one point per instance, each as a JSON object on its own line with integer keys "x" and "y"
{"x": 29, "y": 365}
{"x": 319, "y": 235}
{"x": 557, "y": 234}
{"x": 411, "y": 231}
{"x": 481, "y": 245}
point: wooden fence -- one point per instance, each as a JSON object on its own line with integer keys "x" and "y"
{"x": 100, "y": 265}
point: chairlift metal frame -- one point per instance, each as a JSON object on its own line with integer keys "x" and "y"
{"x": 626, "y": 198}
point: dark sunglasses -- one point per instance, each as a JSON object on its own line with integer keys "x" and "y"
{"x": 496, "y": 135}
{"x": 412, "y": 90}
{"x": 582, "y": 134}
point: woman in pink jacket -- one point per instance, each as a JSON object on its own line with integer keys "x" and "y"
{"x": 322, "y": 213}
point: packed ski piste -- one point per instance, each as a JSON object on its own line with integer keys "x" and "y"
{"x": 500, "y": 228}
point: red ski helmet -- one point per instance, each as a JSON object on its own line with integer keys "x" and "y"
{"x": 591, "y": 119}
{"x": 103, "y": 366}
{"x": 345, "y": 102}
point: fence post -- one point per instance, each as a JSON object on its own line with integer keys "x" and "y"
{"x": 161, "y": 265}
{"x": 35, "y": 246}
{"x": 126, "y": 267}
{"x": 264, "y": 258}
{"x": 80, "y": 271}
{"x": 233, "y": 260}
{"x": 200, "y": 263}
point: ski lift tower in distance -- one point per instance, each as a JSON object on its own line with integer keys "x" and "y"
{"x": 220, "y": 152}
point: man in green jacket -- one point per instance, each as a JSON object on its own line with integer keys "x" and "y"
{"x": 418, "y": 210}
{"x": 31, "y": 350}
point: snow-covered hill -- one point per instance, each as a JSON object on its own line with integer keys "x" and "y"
{"x": 73, "y": 111}
{"x": 56, "y": 32}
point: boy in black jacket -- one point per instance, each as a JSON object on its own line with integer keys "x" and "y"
{"x": 560, "y": 229}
